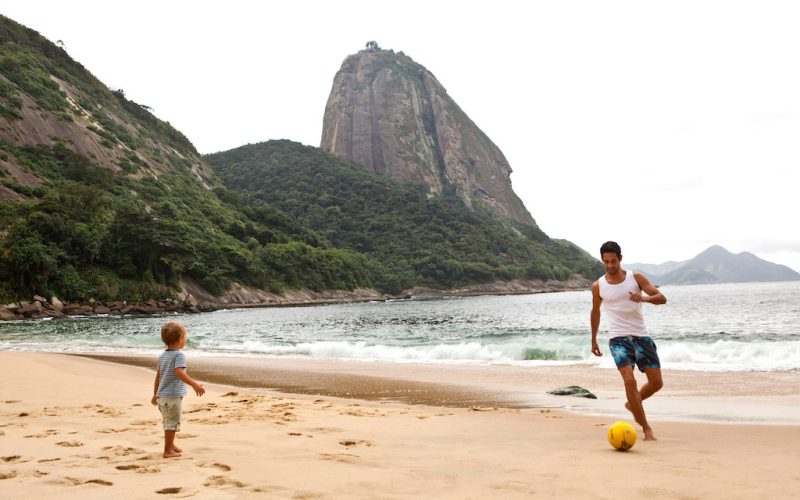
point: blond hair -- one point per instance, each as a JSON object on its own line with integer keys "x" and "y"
{"x": 171, "y": 332}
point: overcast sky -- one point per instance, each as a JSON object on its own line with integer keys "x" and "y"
{"x": 666, "y": 126}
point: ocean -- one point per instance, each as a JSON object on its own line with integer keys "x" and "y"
{"x": 721, "y": 327}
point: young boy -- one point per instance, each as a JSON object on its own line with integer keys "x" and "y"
{"x": 169, "y": 388}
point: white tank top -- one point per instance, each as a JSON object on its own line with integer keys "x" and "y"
{"x": 624, "y": 315}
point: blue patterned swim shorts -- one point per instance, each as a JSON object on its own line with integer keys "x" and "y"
{"x": 630, "y": 350}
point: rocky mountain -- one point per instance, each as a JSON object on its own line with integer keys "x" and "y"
{"x": 717, "y": 265}
{"x": 103, "y": 205}
{"x": 390, "y": 115}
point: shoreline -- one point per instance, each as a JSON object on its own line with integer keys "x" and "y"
{"x": 194, "y": 299}
{"x": 758, "y": 398}
{"x": 73, "y": 427}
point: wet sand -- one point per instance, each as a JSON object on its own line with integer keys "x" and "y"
{"x": 746, "y": 397}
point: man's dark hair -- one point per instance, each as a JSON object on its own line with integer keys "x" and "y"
{"x": 611, "y": 247}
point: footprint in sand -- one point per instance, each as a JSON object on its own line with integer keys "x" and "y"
{"x": 215, "y": 465}
{"x": 349, "y": 442}
{"x": 10, "y": 401}
{"x": 70, "y": 444}
{"x": 99, "y": 481}
{"x": 197, "y": 410}
{"x": 47, "y": 433}
{"x": 346, "y": 458}
{"x": 123, "y": 451}
{"x": 144, "y": 422}
{"x": 12, "y": 459}
{"x": 75, "y": 481}
{"x": 169, "y": 491}
{"x": 8, "y": 475}
{"x": 139, "y": 469}
{"x": 327, "y": 430}
{"x": 105, "y": 410}
{"x": 220, "y": 481}
{"x": 114, "y": 431}
{"x": 178, "y": 492}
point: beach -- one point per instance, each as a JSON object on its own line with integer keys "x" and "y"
{"x": 72, "y": 426}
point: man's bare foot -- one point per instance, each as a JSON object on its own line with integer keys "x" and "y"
{"x": 171, "y": 454}
{"x": 176, "y": 449}
{"x": 628, "y": 407}
{"x": 648, "y": 435}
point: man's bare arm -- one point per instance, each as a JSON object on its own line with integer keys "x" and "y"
{"x": 654, "y": 295}
{"x": 594, "y": 317}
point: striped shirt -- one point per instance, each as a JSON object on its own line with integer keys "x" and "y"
{"x": 170, "y": 385}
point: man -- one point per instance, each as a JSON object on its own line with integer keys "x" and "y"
{"x": 620, "y": 292}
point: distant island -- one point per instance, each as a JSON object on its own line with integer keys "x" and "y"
{"x": 716, "y": 265}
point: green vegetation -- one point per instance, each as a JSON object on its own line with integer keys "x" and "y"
{"x": 410, "y": 237}
{"x": 88, "y": 232}
{"x": 290, "y": 216}
{"x": 94, "y": 234}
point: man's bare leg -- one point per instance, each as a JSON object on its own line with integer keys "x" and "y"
{"x": 653, "y": 385}
{"x": 634, "y": 404}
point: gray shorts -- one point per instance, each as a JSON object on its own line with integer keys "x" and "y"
{"x": 170, "y": 409}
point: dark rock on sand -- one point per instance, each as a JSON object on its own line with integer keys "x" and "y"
{"x": 573, "y": 390}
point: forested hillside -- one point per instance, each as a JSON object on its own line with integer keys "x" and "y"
{"x": 411, "y": 237}
{"x": 100, "y": 199}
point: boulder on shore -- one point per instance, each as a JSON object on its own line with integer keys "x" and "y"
{"x": 7, "y": 315}
{"x": 573, "y": 390}
{"x": 56, "y": 304}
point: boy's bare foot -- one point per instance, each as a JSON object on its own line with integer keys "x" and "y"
{"x": 171, "y": 454}
{"x": 176, "y": 449}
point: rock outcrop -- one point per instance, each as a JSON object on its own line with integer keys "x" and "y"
{"x": 392, "y": 116}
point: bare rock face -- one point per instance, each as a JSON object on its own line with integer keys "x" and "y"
{"x": 390, "y": 115}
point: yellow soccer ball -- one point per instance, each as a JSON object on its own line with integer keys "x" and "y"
{"x": 621, "y": 435}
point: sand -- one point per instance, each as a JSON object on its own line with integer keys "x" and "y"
{"x": 71, "y": 427}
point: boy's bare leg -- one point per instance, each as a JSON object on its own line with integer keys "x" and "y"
{"x": 169, "y": 445}
{"x": 634, "y": 404}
